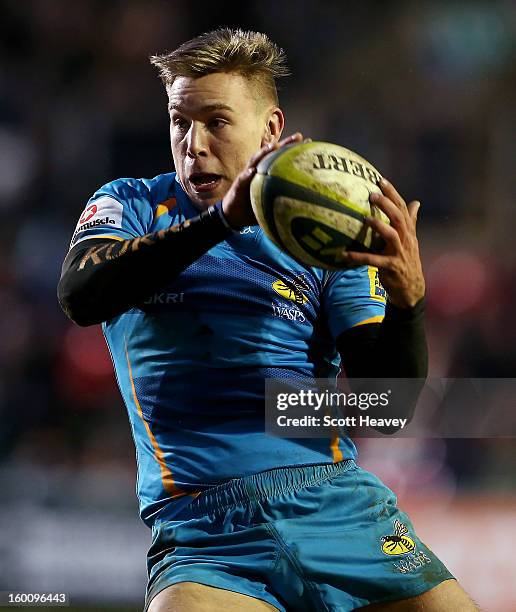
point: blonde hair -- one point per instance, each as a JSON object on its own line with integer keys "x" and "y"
{"x": 251, "y": 54}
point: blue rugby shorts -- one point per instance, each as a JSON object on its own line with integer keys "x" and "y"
{"x": 321, "y": 537}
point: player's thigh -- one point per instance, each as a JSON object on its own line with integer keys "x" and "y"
{"x": 448, "y": 596}
{"x": 195, "y": 597}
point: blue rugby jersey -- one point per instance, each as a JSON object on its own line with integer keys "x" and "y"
{"x": 191, "y": 360}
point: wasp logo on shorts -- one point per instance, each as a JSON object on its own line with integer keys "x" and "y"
{"x": 399, "y": 543}
{"x": 292, "y": 290}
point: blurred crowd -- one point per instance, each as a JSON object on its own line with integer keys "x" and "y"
{"x": 425, "y": 91}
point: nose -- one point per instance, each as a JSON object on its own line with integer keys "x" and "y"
{"x": 196, "y": 140}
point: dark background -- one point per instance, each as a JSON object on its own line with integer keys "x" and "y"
{"x": 426, "y": 91}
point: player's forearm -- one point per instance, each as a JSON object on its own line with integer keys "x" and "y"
{"x": 101, "y": 280}
{"x": 396, "y": 348}
{"x": 403, "y": 351}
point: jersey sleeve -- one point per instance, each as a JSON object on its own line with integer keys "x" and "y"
{"x": 353, "y": 297}
{"x": 120, "y": 210}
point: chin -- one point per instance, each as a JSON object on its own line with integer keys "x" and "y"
{"x": 206, "y": 200}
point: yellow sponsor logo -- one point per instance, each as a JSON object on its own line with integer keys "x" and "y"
{"x": 290, "y": 291}
{"x": 399, "y": 543}
{"x": 376, "y": 291}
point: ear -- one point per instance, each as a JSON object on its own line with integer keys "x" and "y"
{"x": 274, "y": 126}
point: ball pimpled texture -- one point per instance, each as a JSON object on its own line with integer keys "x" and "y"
{"x": 311, "y": 200}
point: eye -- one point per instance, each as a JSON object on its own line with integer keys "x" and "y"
{"x": 216, "y": 123}
{"x": 179, "y": 122}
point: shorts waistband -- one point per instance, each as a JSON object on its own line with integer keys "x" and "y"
{"x": 265, "y": 484}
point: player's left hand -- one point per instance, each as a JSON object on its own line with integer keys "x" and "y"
{"x": 399, "y": 264}
{"x": 236, "y": 204}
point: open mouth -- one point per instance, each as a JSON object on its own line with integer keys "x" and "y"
{"x": 204, "y": 181}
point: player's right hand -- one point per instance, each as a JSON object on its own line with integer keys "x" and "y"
{"x": 236, "y": 204}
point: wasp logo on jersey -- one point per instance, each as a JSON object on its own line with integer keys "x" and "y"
{"x": 398, "y": 543}
{"x": 284, "y": 311}
{"x": 292, "y": 289}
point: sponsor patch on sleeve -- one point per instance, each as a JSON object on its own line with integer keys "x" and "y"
{"x": 376, "y": 291}
{"x": 104, "y": 213}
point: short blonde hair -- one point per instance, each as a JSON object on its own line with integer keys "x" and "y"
{"x": 251, "y": 54}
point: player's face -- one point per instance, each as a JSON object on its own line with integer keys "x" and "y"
{"x": 216, "y": 125}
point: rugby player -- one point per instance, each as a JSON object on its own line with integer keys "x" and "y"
{"x": 181, "y": 278}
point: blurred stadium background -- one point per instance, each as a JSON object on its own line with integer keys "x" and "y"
{"x": 425, "y": 91}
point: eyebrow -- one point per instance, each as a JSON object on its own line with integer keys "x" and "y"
{"x": 206, "y": 109}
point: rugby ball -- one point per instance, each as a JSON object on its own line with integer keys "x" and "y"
{"x": 311, "y": 199}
